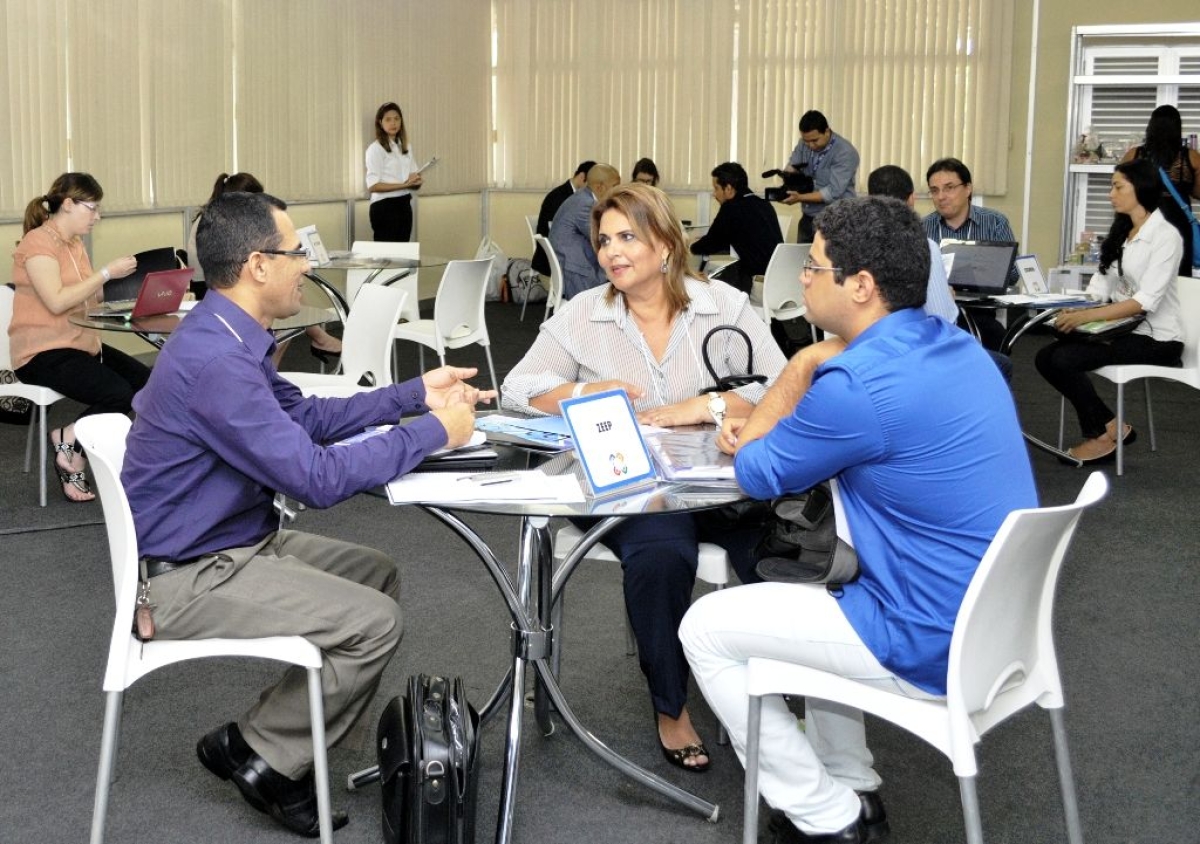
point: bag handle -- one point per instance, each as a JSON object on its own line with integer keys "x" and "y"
{"x": 730, "y": 382}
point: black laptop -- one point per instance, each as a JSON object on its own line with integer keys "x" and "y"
{"x": 151, "y": 261}
{"x": 980, "y": 268}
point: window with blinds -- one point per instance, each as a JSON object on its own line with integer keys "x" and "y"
{"x": 1121, "y": 75}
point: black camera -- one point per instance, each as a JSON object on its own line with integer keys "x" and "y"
{"x": 800, "y": 182}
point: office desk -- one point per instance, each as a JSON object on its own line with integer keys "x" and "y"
{"x": 531, "y": 629}
{"x": 155, "y": 330}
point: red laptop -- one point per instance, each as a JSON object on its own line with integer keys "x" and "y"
{"x": 160, "y": 293}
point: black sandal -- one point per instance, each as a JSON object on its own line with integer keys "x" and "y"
{"x": 679, "y": 757}
{"x": 67, "y": 477}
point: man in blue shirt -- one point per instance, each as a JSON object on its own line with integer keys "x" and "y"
{"x": 830, "y": 160}
{"x": 927, "y": 473}
{"x": 217, "y": 434}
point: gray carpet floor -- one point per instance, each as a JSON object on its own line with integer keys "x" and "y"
{"x": 1126, "y": 623}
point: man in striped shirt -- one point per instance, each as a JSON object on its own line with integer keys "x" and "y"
{"x": 956, "y": 218}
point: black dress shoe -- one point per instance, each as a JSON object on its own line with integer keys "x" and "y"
{"x": 871, "y": 826}
{"x": 293, "y": 803}
{"x": 855, "y": 833}
{"x": 224, "y": 750}
{"x": 874, "y": 816}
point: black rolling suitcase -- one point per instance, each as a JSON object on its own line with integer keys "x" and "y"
{"x": 428, "y": 747}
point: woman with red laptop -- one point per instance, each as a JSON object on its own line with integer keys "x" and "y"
{"x": 53, "y": 277}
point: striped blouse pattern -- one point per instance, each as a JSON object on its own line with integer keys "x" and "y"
{"x": 592, "y": 339}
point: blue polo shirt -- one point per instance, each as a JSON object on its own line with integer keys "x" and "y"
{"x": 218, "y": 432}
{"x": 918, "y": 426}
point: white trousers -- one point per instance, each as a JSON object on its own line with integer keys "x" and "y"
{"x": 810, "y": 775}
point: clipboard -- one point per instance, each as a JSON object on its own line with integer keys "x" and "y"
{"x": 609, "y": 442}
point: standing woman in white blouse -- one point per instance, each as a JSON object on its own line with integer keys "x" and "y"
{"x": 391, "y": 176}
{"x": 1139, "y": 261}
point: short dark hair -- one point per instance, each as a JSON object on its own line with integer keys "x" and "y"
{"x": 813, "y": 121}
{"x": 731, "y": 174}
{"x": 884, "y": 237}
{"x": 234, "y": 225}
{"x": 647, "y": 166}
{"x": 949, "y": 165}
{"x": 584, "y": 168}
{"x": 890, "y": 180}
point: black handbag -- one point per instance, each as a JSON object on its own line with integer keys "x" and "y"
{"x": 800, "y": 542}
{"x": 428, "y": 750}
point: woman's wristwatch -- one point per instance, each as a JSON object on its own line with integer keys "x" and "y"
{"x": 717, "y": 407}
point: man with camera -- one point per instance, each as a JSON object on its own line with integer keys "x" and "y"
{"x": 745, "y": 222}
{"x": 828, "y": 160}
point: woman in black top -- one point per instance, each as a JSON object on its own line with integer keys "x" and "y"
{"x": 1164, "y": 148}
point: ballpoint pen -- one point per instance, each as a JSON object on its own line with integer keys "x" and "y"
{"x": 490, "y": 476}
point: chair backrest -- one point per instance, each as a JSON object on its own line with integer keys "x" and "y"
{"x": 103, "y": 438}
{"x": 405, "y": 279}
{"x": 458, "y": 309}
{"x": 531, "y": 224}
{"x": 1002, "y": 652}
{"x": 554, "y": 300}
{"x": 367, "y": 340}
{"x": 6, "y": 312}
{"x": 1189, "y": 307}
{"x": 782, "y": 292}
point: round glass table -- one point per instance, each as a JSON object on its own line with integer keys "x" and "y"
{"x": 532, "y": 629}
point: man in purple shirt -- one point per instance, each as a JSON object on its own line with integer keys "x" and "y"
{"x": 218, "y": 432}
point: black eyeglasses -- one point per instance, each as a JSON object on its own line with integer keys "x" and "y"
{"x": 294, "y": 253}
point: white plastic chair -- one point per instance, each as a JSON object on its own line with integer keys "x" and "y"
{"x": 1189, "y": 373}
{"x": 403, "y": 279}
{"x": 103, "y": 436}
{"x": 366, "y": 344}
{"x": 1001, "y": 660}
{"x": 530, "y": 277}
{"x": 457, "y": 314}
{"x": 783, "y": 297}
{"x": 554, "y": 298}
{"x": 41, "y": 397}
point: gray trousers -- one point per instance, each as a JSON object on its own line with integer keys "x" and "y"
{"x": 338, "y": 595}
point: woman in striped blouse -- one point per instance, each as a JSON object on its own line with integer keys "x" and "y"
{"x": 643, "y": 333}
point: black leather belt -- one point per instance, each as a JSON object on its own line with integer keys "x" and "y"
{"x": 156, "y": 566}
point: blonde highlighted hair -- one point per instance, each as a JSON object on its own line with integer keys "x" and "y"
{"x": 652, "y": 218}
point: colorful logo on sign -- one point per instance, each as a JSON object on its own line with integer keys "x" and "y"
{"x": 619, "y": 466}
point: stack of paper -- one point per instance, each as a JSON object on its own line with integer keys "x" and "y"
{"x": 463, "y": 487}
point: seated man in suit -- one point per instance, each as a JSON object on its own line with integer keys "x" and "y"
{"x": 217, "y": 433}
{"x": 550, "y": 205}
{"x": 571, "y": 232}
{"x": 927, "y": 476}
{"x": 745, "y": 222}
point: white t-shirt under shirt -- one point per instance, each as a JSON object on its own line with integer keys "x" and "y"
{"x": 384, "y": 166}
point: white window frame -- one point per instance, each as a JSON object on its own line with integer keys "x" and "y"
{"x": 1176, "y": 81}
